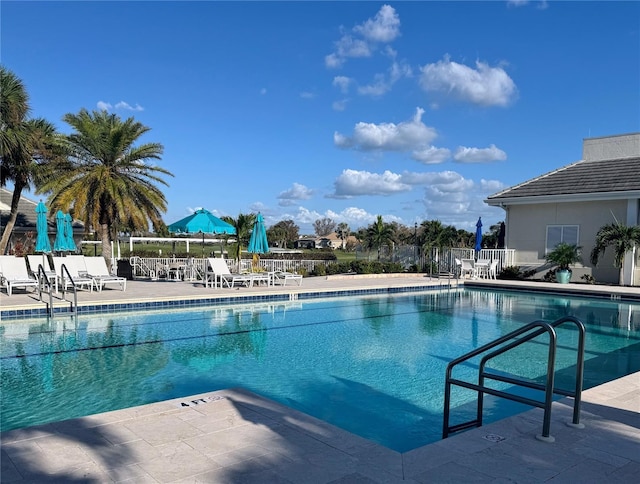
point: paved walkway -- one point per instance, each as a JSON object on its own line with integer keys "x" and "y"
{"x": 234, "y": 436}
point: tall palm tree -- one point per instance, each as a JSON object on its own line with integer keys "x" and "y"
{"x": 623, "y": 238}
{"x": 108, "y": 180}
{"x": 343, "y": 231}
{"x": 243, "y": 225}
{"x": 379, "y": 234}
{"x": 25, "y": 144}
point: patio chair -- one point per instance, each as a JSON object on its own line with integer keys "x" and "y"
{"x": 467, "y": 267}
{"x": 493, "y": 269}
{"x": 14, "y": 273}
{"x": 97, "y": 269}
{"x": 36, "y": 260}
{"x": 281, "y": 277}
{"x": 77, "y": 279}
{"x": 482, "y": 268}
{"x": 220, "y": 272}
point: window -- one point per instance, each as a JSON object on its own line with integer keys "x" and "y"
{"x": 561, "y": 233}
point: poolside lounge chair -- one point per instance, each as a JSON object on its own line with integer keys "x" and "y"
{"x": 14, "y": 273}
{"x": 97, "y": 269}
{"x": 36, "y": 260}
{"x": 218, "y": 270}
{"x": 281, "y": 277}
{"x": 77, "y": 278}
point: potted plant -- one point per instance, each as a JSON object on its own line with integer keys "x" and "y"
{"x": 564, "y": 255}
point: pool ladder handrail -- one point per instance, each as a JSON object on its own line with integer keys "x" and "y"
{"x": 528, "y": 332}
{"x": 43, "y": 281}
{"x": 73, "y": 305}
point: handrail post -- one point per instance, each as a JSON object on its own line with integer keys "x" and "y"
{"x": 548, "y": 398}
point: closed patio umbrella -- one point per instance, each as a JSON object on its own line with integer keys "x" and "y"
{"x": 42, "y": 228}
{"x": 60, "y": 244}
{"x": 258, "y": 243}
{"x": 478, "y": 246}
{"x": 68, "y": 232}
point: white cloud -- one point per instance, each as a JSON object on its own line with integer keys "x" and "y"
{"x": 352, "y": 183}
{"x": 517, "y": 3}
{"x": 128, "y": 107}
{"x": 340, "y": 105}
{"x": 485, "y": 85}
{"x": 342, "y": 83}
{"x": 296, "y": 192}
{"x": 431, "y": 155}
{"x": 307, "y": 95}
{"x": 384, "y": 27}
{"x": 104, "y": 106}
{"x": 479, "y": 155}
{"x": 406, "y": 136}
{"x": 383, "y": 83}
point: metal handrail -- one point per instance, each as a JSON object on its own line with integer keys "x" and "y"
{"x": 74, "y": 305}
{"x": 528, "y": 332}
{"x": 42, "y": 280}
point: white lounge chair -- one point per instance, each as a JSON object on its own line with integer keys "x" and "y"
{"x": 14, "y": 273}
{"x": 281, "y": 277}
{"x": 36, "y": 260}
{"x": 218, "y": 270}
{"x": 97, "y": 269}
{"x": 77, "y": 278}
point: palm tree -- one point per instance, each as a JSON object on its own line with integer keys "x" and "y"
{"x": 243, "y": 225}
{"x": 343, "y": 232}
{"x": 107, "y": 180}
{"x": 379, "y": 234}
{"x": 623, "y": 238}
{"x": 25, "y": 144}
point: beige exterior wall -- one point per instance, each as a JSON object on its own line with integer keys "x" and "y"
{"x": 611, "y": 147}
{"x": 527, "y": 224}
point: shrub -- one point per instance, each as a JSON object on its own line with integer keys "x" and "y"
{"x": 511, "y": 273}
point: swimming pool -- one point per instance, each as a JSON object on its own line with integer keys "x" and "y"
{"x": 373, "y": 365}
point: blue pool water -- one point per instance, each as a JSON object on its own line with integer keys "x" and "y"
{"x": 373, "y": 365}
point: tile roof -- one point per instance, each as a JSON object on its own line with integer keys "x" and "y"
{"x": 580, "y": 178}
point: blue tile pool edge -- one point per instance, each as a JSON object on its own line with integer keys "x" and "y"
{"x": 186, "y": 302}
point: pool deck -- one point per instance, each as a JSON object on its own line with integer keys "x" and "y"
{"x": 234, "y": 436}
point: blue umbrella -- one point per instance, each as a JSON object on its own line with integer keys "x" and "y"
{"x": 42, "y": 229}
{"x": 68, "y": 232}
{"x": 478, "y": 246}
{"x": 201, "y": 221}
{"x": 258, "y": 243}
{"x": 60, "y": 244}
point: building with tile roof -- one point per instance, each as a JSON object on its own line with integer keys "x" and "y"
{"x": 570, "y": 205}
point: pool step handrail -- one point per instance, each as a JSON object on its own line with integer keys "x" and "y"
{"x": 44, "y": 285}
{"x": 500, "y": 346}
{"x": 73, "y": 305}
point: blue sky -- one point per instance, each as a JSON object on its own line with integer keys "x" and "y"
{"x": 348, "y": 110}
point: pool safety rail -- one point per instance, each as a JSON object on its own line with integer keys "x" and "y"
{"x": 73, "y": 305}
{"x": 502, "y": 345}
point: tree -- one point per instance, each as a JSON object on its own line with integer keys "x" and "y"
{"x": 107, "y": 179}
{"x": 25, "y": 145}
{"x": 324, "y": 226}
{"x": 343, "y": 231}
{"x": 379, "y": 234}
{"x": 284, "y": 232}
{"x": 622, "y": 238}
{"x": 243, "y": 225}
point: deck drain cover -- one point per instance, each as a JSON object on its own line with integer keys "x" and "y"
{"x": 493, "y": 438}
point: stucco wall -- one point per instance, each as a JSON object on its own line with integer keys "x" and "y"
{"x": 526, "y": 232}
{"x": 611, "y": 147}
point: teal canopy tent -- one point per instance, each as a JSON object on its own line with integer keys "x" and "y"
{"x": 258, "y": 243}
{"x": 201, "y": 222}
{"x": 42, "y": 228}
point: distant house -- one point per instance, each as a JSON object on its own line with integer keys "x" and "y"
{"x": 25, "y": 227}
{"x": 331, "y": 241}
{"x": 571, "y": 203}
